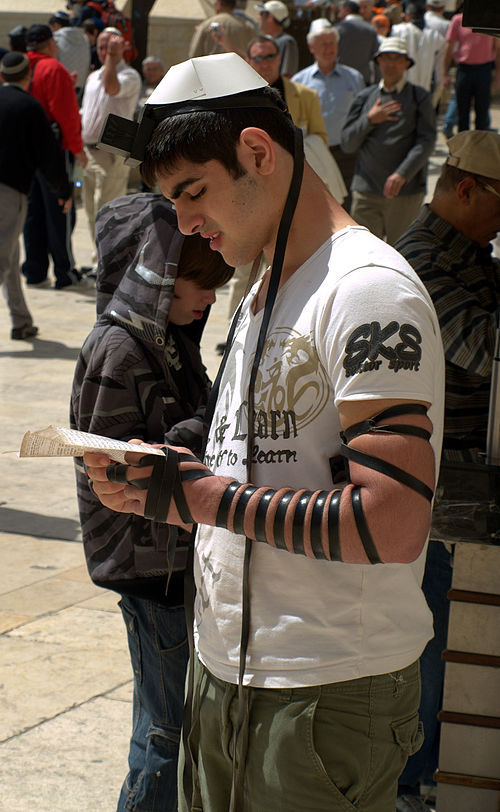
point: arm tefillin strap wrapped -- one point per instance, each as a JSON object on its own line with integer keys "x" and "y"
{"x": 312, "y": 507}
{"x": 164, "y": 484}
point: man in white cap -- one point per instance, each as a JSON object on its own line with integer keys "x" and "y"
{"x": 306, "y": 687}
{"x": 274, "y": 17}
{"x": 392, "y": 128}
{"x": 449, "y": 247}
{"x": 336, "y": 85}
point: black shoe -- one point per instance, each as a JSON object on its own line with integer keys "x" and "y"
{"x": 21, "y": 333}
{"x": 74, "y": 280}
{"x": 448, "y": 132}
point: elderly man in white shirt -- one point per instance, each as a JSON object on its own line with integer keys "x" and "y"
{"x": 114, "y": 88}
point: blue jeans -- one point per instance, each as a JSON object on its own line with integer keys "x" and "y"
{"x": 159, "y": 653}
{"x": 450, "y": 119}
{"x": 437, "y": 581}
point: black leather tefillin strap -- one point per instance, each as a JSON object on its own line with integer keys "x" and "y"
{"x": 317, "y": 501}
{"x": 164, "y": 483}
{"x": 375, "y": 463}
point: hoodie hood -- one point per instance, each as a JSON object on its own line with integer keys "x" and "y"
{"x": 138, "y": 248}
{"x": 73, "y": 51}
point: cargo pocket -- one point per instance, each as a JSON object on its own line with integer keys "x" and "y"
{"x": 409, "y": 735}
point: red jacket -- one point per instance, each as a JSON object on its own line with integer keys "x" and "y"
{"x": 52, "y": 86}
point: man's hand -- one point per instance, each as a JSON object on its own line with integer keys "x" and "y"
{"x": 393, "y": 185}
{"x": 112, "y": 494}
{"x": 66, "y": 204}
{"x": 116, "y": 47}
{"x": 81, "y": 158}
{"x": 388, "y": 111}
{"x": 129, "y": 499}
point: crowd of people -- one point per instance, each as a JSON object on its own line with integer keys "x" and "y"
{"x": 299, "y": 491}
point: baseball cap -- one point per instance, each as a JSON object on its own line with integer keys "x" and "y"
{"x": 38, "y": 34}
{"x": 394, "y": 45}
{"x": 436, "y": 3}
{"x": 13, "y": 62}
{"x": 275, "y": 8}
{"x": 476, "y": 151}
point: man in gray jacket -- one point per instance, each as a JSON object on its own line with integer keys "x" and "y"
{"x": 358, "y": 41}
{"x": 392, "y": 126}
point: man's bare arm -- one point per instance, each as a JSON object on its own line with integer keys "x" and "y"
{"x": 318, "y": 524}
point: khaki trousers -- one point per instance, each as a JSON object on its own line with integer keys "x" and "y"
{"x": 327, "y": 748}
{"x": 386, "y": 218}
{"x": 104, "y": 178}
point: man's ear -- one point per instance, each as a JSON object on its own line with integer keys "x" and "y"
{"x": 465, "y": 188}
{"x": 256, "y": 149}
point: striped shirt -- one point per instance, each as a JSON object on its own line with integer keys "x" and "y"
{"x": 463, "y": 281}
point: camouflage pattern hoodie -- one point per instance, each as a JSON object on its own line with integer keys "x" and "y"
{"x": 136, "y": 376}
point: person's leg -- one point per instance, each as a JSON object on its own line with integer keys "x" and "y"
{"x": 115, "y": 181}
{"x": 89, "y": 186}
{"x": 450, "y": 119}
{"x": 159, "y": 651}
{"x": 105, "y": 177}
{"x": 399, "y": 212}
{"x": 482, "y": 96}
{"x": 325, "y": 748}
{"x": 436, "y": 583}
{"x": 13, "y": 207}
{"x": 59, "y": 229}
{"x": 463, "y": 90}
{"x": 36, "y": 263}
{"x": 367, "y": 211}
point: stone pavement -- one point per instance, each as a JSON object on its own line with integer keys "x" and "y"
{"x": 65, "y": 679}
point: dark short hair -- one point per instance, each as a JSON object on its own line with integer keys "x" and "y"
{"x": 451, "y": 176}
{"x": 262, "y": 38}
{"x": 17, "y": 38}
{"x": 213, "y": 136}
{"x": 200, "y": 264}
{"x": 38, "y": 36}
{"x": 90, "y": 27}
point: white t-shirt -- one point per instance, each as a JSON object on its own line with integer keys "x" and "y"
{"x": 353, "y": 323}
{"x": 96, "y": 103}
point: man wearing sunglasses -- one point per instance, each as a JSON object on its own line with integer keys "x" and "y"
{"x": 273, "y": 19}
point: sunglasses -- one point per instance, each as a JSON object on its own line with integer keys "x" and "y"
{"x": 266, "y": 58}
{"x": 490, "y": 189}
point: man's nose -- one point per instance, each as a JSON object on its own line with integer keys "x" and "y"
{"x": 188, "y": 221}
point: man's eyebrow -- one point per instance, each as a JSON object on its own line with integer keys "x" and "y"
{"x": 179, "y": 188}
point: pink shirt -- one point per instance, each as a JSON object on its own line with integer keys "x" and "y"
{"x": 473, "y": 49}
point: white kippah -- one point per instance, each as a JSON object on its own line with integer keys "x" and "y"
{"x": 206, "y": 77}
